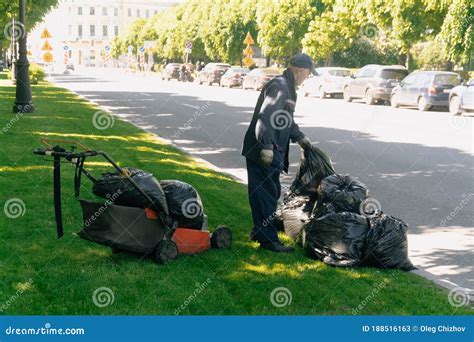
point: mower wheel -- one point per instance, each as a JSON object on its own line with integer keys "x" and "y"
{"x": 221, "y": 237}
{"x": 166, "y": 251}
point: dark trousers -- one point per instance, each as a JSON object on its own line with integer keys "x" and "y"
{"x": 264, "y": 191}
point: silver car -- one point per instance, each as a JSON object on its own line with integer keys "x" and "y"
{"x": 461, "y": 98}
{"x": 329, "y": 81}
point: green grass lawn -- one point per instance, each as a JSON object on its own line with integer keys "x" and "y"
{"x": 42, "y": 275}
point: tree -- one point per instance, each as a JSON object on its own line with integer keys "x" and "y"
{"x": 35, "y": 11}
{"x": 457, "y": 33}
{"x": 283, "y": 24}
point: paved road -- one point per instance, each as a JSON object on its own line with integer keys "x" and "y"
{"x": 419, "y": 166}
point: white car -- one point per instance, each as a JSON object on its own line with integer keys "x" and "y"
{"x": 329, "y": 81}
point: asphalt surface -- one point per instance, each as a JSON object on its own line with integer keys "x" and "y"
{"x": 418, "y": 165}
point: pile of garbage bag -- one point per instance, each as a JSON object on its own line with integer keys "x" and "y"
{"x": 329, "y": 212}
{"x": 177, "y": 199}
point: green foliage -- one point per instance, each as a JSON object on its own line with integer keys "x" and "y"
{"x": 283, "y": 24}
{"x": 331, "y": 31}
{"x": 457, "y": 33}
{"x": 35, "y": 11}
{"x": 37, "y": 73}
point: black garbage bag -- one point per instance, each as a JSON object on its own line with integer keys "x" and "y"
{"x": 342, "y": 191}
{"x": 314, "y": 166}
{"x": 386, "y": 243}
{"x": 336, "y": 238}
{"x": 184, "y": 204}
{"x": 118, "y": 189}
{"x": 293, "y": 213}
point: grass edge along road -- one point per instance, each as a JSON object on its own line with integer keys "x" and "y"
{"x": 45, "y": 276}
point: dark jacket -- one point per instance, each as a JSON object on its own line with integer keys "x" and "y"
{"x": 272, "y": 124}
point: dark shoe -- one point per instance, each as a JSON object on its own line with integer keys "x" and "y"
{"x": 276, "y": 246}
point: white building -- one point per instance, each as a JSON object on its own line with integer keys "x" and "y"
{"x": 87, "y": 26}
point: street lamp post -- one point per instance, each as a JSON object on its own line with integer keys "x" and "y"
{"x": 23, "y": 101}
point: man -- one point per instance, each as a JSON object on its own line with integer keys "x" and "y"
{"x": 266, "y": 146}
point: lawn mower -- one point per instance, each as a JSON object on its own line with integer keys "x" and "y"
{"x": 146, "y": 228}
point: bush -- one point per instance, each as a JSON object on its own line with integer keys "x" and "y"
{"x": 36, "y": 72}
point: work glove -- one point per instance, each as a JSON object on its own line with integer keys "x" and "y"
{"x": 266, "y": 157}
{"x": 305, "y": 143}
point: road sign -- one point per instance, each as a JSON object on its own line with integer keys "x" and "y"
{"x": 189, "y": 45}
{"x": 187, "y": 50}
{"x": 47, "y": 57}
{"x": 46, "y": 46}
{"x": 66, "y": 48}
{"x": 142, "y": 49}
{"x": 46, "y": 34}
{"x": 130, "y": 49}
{"x": 248, "y": 39}
{"x": 107, "y": 48}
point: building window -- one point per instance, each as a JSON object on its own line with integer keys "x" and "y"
{"x": 116, "y": 11}
{"x": 105, "y": 30}
{"x": 116, "y": 30}
{"x": 138, "y": 12}
{"x": 129, "y": 12}
{"x": 79, "y": 11}
{"x": 92, "y": 11}
{"x": 147, "y": 14}
{"x": 79, "y": 31}
{"x": 104, "y": 10}
{"x": 92, "y": 30}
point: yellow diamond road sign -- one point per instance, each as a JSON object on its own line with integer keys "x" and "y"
{"x": 46, "y": 34}
{"x": 46, "y": 46}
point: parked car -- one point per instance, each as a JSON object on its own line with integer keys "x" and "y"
{"x": 329, "y": 81}
{"x": 233, "y": 77}
{"x": 257, "y": 78}
{"x": 374, "y": 83}
{"x": 171, "y": 71}
{"x": 461, "y": 98}
{"x": 212, "y": 73}
{"x": 425, "y": 89}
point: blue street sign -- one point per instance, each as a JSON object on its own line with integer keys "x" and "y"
{"x": 130, "y": 49}
{"x": 142, "y": 49}
{"x": 66, "y": 48}
{"x": 107, "y": 48}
